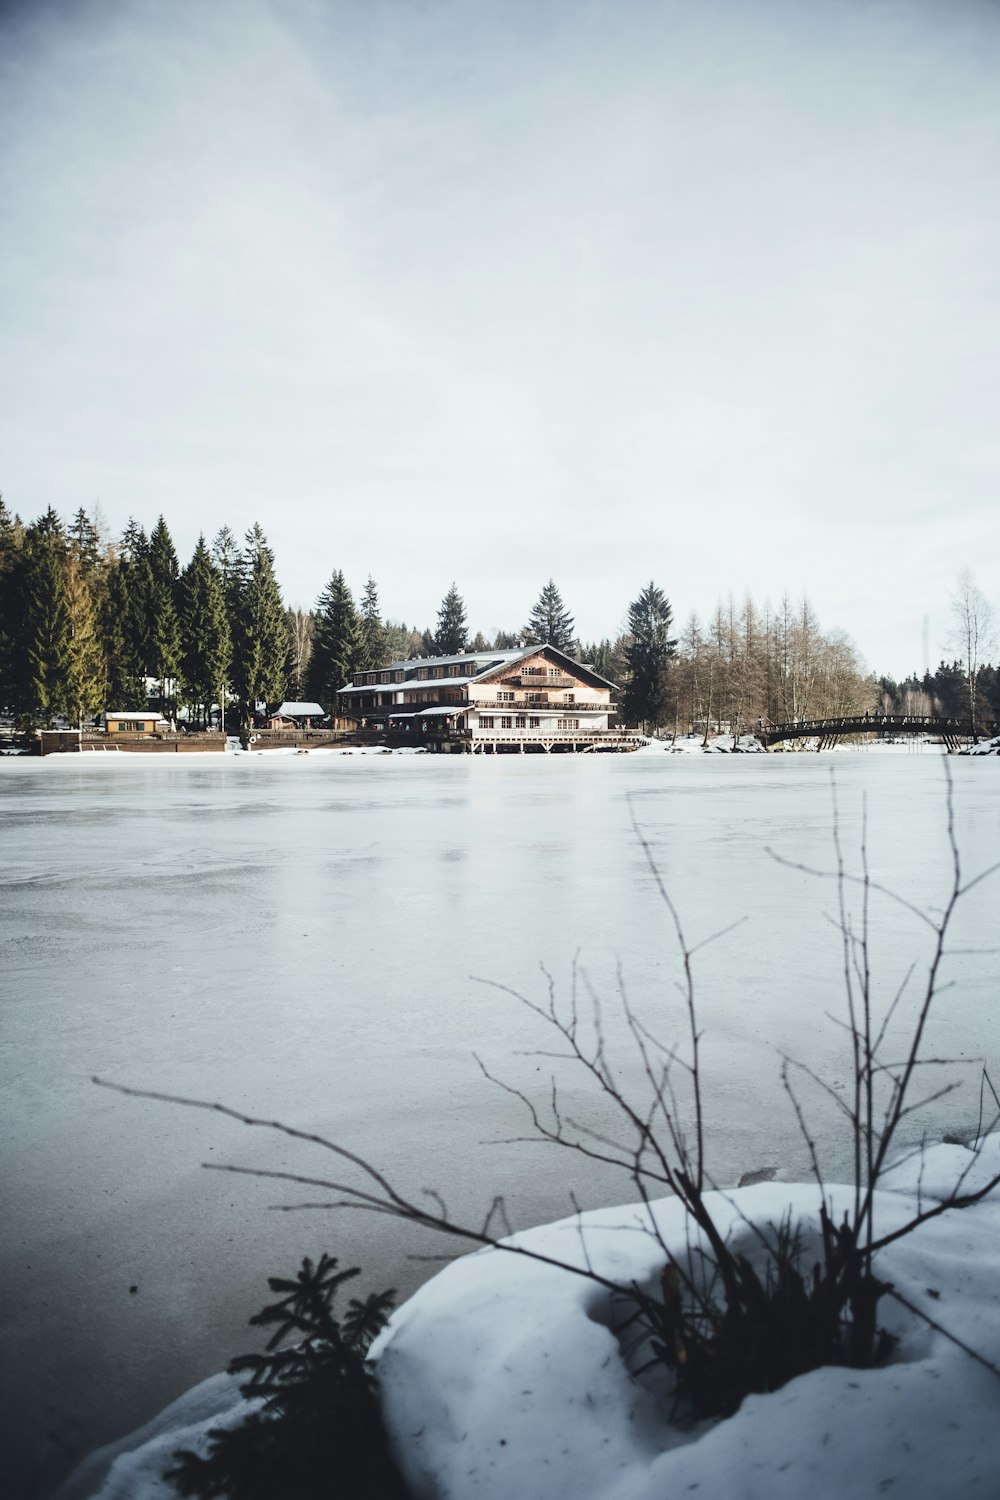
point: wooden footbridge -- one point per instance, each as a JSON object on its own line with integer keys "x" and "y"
{"x": 953, "y": 731}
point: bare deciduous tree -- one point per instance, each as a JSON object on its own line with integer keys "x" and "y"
{"x": 972, "y": 634}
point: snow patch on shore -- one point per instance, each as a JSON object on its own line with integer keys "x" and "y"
{"x": 503, "y": 1376}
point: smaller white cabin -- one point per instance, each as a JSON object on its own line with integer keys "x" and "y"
{"x": 297, "y": 716}
{"x": 133, "y": 721}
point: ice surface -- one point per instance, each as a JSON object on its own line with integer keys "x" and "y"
{"x": 295, "y": 935}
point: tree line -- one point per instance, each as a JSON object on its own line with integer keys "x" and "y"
{"x": 88, "y": 623}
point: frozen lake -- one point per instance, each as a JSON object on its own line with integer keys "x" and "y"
{"x": 296, "y": 936}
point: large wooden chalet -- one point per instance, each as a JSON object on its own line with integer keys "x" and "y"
{"x": 534, "y": 698}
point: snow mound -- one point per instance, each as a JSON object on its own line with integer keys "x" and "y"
{"x": 984, "y": 747}
{"x": 504, "y": 1377}
{"x": 720, "y": 744}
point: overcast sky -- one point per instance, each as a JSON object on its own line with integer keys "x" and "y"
{"x": 490, "y": 291}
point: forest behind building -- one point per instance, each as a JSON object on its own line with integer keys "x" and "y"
{"x": 90, "y": 623}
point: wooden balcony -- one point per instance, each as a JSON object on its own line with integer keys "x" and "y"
{"x": 541, "y": 680}
{"x": 548, "y": 706}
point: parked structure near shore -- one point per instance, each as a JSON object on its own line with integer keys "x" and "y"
{"x": 530, "y": 698}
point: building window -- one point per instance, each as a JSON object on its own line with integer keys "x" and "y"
{"x": 535, "y": 697}
{"x": 570, "y": 697}
{"x": 486, "y": 721}
{"x": 505, "y": 697}
{"x": 520, "y": 722}
{"x": 506, "y": 722}
{"x": 568, "y": 724}
{"x": 534, "y": 723}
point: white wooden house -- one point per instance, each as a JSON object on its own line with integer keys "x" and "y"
{"x": 534, "y": 697}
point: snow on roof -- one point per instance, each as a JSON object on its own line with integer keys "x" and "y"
{"x": 300, "y": 711}
{"x": 133, "y": 713}
{"x": 492, "y": 662}
{"x": 488, "y": 656}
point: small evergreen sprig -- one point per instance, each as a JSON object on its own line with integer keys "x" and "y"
{"x": 319, "y": 1429}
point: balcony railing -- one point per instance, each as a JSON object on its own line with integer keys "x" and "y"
{"x": 522, "y": 705}
{"x": 541, "y": 680}
{"x": 483, "y": 732}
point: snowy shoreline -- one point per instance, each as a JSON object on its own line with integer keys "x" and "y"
{"x": 503, "y": 1377}
{"x": 691, "y": 744}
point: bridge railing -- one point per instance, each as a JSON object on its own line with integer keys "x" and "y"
{"x": 873, "y": 723}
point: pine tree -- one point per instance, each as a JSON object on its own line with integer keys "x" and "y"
{"x": 228, "y": 560}
{"x": 120, "y": 638}
{"x": 136, "y": 587}
{"x": 50, "y": 527}
{"x": 452, "y": 632}
{"x": 335, "y": 643}
{"x": 8, "y": 523}
{"x": 604, "y": 658}
{"x": 550, "y": 622}
{"x": 163, "y": 633}
{"x": 11, "y": 542}
{"x": 260, "y": 646}
{"x": 396, "y": 642}
{"x": 646, "y": 657}
{"x": 86, "y": 674}
{"x": 205, "y": 642}
{"x": 41, "y": 647}
{"x": 506, "y": 640}
{"x": 371, "y": 632}
{"x": 85, "y": 542}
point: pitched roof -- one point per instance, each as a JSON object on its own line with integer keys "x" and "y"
{"x": 493, "y": 661}
{"x": 489, "y": 656}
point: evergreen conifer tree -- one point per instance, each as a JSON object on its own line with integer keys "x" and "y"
{"x": 260, "y": 646}
{"x": 120, "y": 630}
{"x": 228, "y": 560}
{"x": 50, "y": 527}
{"x": 41, "y": 647}
{"x": 550, "y": 622}
{"x": 371, "y": 632}
{"x": 205, "y": 642}
{"x": 86, "y": 673}
{"x": 335, "y": 643}
{"x": 452, "y": 631}
{"x": 396, "y": 642}
{"x": 11, "y": 542}
{"x": 647, "y": 654}
{"x": 85, "y": 542}
{"x": 135, "y": 593}
{"x": 163, "y": 633}
{"x": 603, "y": 657}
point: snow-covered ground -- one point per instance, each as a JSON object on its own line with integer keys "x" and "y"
{"x": 984, "y": 747}
{"x": 503, "y": 1377}
{"x": 694, "y": 744}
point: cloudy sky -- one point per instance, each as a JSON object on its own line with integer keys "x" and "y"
{"x": 494, "y": 291}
